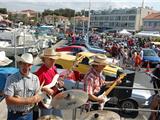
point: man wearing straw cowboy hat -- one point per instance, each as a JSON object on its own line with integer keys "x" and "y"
{"x": 21, "y": 90}
{"x": 93, "y": 80}
{"x": 3, "y": 59}
{"x": 46, "y": 74}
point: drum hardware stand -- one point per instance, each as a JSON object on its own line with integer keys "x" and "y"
{"x": 74, "y": 112}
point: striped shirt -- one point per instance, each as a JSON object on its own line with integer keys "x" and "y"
{"x": 17, "y": 85}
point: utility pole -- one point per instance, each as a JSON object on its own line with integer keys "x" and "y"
{"x": 88, "y": 21}
{"x": 140, "y": 14}
{"x": 74, "y": 23}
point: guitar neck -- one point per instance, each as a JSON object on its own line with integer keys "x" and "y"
{"x": 110, "y": 89}
{"x": 113, "y": 85}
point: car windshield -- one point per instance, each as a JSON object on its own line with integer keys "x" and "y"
{"x": 149, "y": 53}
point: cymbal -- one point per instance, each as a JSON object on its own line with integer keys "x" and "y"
{"x": 101, "y": 115}
{"x": 69, "y": 99}
{"x": 50, "y": 117}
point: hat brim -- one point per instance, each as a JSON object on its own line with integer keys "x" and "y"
{"x": 96, "y": 63}
{"x": 19, "y": 59}
{"x": 55, "y": 57}
{"x": 5, "y": 62}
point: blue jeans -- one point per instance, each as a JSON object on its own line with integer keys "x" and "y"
{"x": 51, "y": 111}
{"x": 14, "y": 116}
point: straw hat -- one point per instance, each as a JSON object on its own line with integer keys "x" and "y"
{"x": 50, "y": 53}
{"x": 99, "y": 59}
{"x": 26, "y": 58}
{"x": 3, "y": 59}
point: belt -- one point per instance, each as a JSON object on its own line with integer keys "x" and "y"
{"x": 21, "y": 112}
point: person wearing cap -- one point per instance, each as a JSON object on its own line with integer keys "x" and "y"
{"x": 46, "y": 73}
{"x": 21, "y": 90}
{"x": 93, "y": 80}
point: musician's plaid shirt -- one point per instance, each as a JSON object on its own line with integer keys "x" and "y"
{"x": 93, "y": 81}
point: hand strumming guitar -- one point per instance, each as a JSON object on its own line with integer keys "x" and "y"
{"x": 48, "y": 91}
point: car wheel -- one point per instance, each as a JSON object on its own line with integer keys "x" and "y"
{"x": 130, "y": 104}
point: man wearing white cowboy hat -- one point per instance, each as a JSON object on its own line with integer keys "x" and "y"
{"x": 3, "y": 59}
{"x": 21, "y": 90}
{"x": 46, "y": 73}
{"x": 93, "y": 80}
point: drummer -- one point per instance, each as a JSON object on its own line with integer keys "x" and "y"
{"x": 93, "y": 80}
{"x": 46, "y": 74}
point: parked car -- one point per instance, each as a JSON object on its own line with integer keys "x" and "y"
{"x": 66, "y": 62}
{"x": 150, "y": 56}
{"x": 94, "y": 49}
{"x": 73, "y": 48}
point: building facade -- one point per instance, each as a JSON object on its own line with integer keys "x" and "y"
{"x": 152, "y": 22}
{"x": 118, "y": 19}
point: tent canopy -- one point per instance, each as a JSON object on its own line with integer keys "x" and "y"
{"x": 148, "y": 34}
{"x": 124, "y": 32}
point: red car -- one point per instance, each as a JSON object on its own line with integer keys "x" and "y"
{"x": 73, "y": 48}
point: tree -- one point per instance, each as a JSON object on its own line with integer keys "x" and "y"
{"x": 3, "y": 10}
{"x": 47, "y": 12}
{"x": 64, "y": 12}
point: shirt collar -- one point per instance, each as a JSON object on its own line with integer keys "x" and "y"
{"x": 28, "y": 76}
{"x": 95, "y": 72}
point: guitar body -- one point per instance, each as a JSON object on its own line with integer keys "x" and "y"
{"x": 47, "y": 99}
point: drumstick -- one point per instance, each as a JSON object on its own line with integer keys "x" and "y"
{"x": 40, "y": 88}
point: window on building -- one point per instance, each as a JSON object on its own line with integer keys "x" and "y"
{"x": 132, "y": 17}
{"x": 124, "y": 17}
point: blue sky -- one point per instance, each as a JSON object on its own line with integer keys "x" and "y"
{"x": 40, "y": 5}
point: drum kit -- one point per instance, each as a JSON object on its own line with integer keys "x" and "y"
{"x": 71, "y": 99}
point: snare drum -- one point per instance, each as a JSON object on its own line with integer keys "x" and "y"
{"x": 50, "y": 117}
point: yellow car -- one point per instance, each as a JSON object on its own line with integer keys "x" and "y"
{"x": 67, "y": 62}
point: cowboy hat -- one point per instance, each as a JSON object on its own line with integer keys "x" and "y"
{"x": 50, "y": 53}
{"x": 99, "y": 59}
{"x": 3, "y": 59}
{"x": 26, "y": 58}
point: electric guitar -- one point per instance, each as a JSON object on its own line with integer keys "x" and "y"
{"x": 47, "y": 99}
{"x": 105, "y": 93}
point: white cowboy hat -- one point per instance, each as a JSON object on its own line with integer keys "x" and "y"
{"x": 3, "y": 59}
{"x": 99, "y": 59}
{"x": 50, "y": 53}
{"x": 26, "y": 58}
